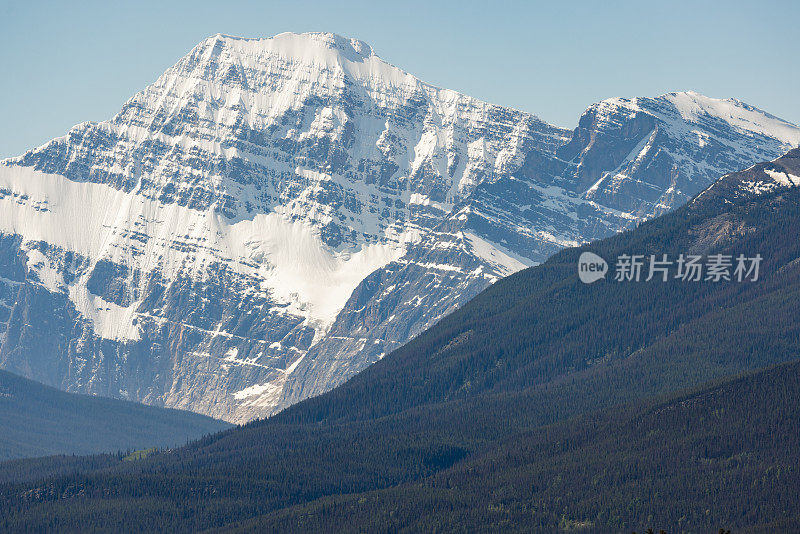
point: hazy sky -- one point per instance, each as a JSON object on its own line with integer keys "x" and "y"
{"x": 67, "y": 62}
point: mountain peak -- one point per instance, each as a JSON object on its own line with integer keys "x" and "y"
{"x": 692, "y": 106}
{"x": 304, "y": 46}
{"x": 348, "y": 46}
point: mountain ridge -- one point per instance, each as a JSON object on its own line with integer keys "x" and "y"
{"x": 38, "y": 420}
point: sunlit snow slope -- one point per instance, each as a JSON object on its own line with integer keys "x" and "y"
{"x": 272, "y": 215}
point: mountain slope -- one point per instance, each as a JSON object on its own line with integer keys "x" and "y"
{"x": 695, "y": 463}
{"x": 535, "y": 349}
{"x": 542, "y": 323}
{"x": 271, "y": 216}
{"x": 39, "y": 421}
{"x": 626, "y": 162}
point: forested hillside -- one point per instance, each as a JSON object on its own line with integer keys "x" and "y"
{"x": 696, "y": 463}
{"x": 37, "y": 420}
{"x": 544, "y": 402}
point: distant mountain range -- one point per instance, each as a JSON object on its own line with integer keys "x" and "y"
{"x": 271, "y": 216}
{"x": 544, "y": 404}
{"x": 38, "y": 420}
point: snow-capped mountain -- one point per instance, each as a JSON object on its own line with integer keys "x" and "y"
{"x": 673, "y": 147}
{"x": 272, "y": 215}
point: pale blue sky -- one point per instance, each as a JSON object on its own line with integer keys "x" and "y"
{"x": 66, "y": 62}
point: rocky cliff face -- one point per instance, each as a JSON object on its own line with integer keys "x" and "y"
{"x": 647, "y": 155}
{"x": 273, "y": 215}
